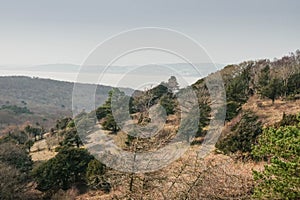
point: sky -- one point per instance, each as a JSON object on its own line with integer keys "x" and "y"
{"x": 35, "y": 32}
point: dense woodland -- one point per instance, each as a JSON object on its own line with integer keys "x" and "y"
{"x": 251, "y": 160}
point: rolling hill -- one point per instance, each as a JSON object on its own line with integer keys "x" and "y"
{"x": 43, "y": 100}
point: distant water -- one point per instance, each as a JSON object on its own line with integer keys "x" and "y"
{"x": 135, "y": 81}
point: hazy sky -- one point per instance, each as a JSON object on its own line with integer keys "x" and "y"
{"x": 65, "y": 31}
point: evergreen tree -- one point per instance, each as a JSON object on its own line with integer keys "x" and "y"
{"x": 242, "y": 136}
{"x": 61, "y": 172}
{"x": 273, "y": 90}
{"x": 268, "y": 86}
{"x": 172, "y": 84}
{"x": 280, "y": 178}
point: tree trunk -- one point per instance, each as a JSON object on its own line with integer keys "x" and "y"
{"x": 131, "y": 183}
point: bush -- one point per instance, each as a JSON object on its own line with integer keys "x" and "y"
{"x": 95, "y": 176}
{"x": 71, "y": 138}
{"x": 63, "y": 195}
{"x": 280, "y": 179}
{"x": 16, "y": 109}
{"x": 65, "y": 169}
{"x": 63, "y": 123}
{"x": 15, "y": 166}
{"x": 168, "y": 103}
{"x": 292, "y": 120}
{"x": 102, "y": 111}
{"x": 11, "y": 187}
{"x": 15, "y": 156}
{"x": 242, "y": 136}
{"x": 110, "y": 124}
{"x": 232, "y": 110}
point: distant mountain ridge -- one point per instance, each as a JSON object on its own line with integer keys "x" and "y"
{"x": 47, "y": 99}
{"x": 183, "y": 68}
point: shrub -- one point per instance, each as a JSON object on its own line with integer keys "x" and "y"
{"x": 110, "y": 124}
{"x": 16, "y": 109}
{"x": 280, "y": 179}
{"x": 63, "y": 195}
{"x": 168, "y": 103}
{"x": 65, "y": 169}
{"x": 11, "y": 186}
{"x": 16, "y": 156}
{"x": 71, "y": 138}
{"x": 15, "y": 165}
{"x": 95, "y": 176}
{"x": 242, "y": 136}
{"x": 63, "y": 123}
{"x": 232, "y": 109}
{"x": 292, "y": 120}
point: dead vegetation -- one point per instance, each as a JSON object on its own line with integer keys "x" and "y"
{"x": 40, "y": 150}
{"x": 214, "y": 177}
{"x": 270, "y": 114}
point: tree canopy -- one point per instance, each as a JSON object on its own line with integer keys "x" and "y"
{"x": 62, "y": 171}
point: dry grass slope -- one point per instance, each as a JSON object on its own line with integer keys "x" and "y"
{"x": 269, "y": 113}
